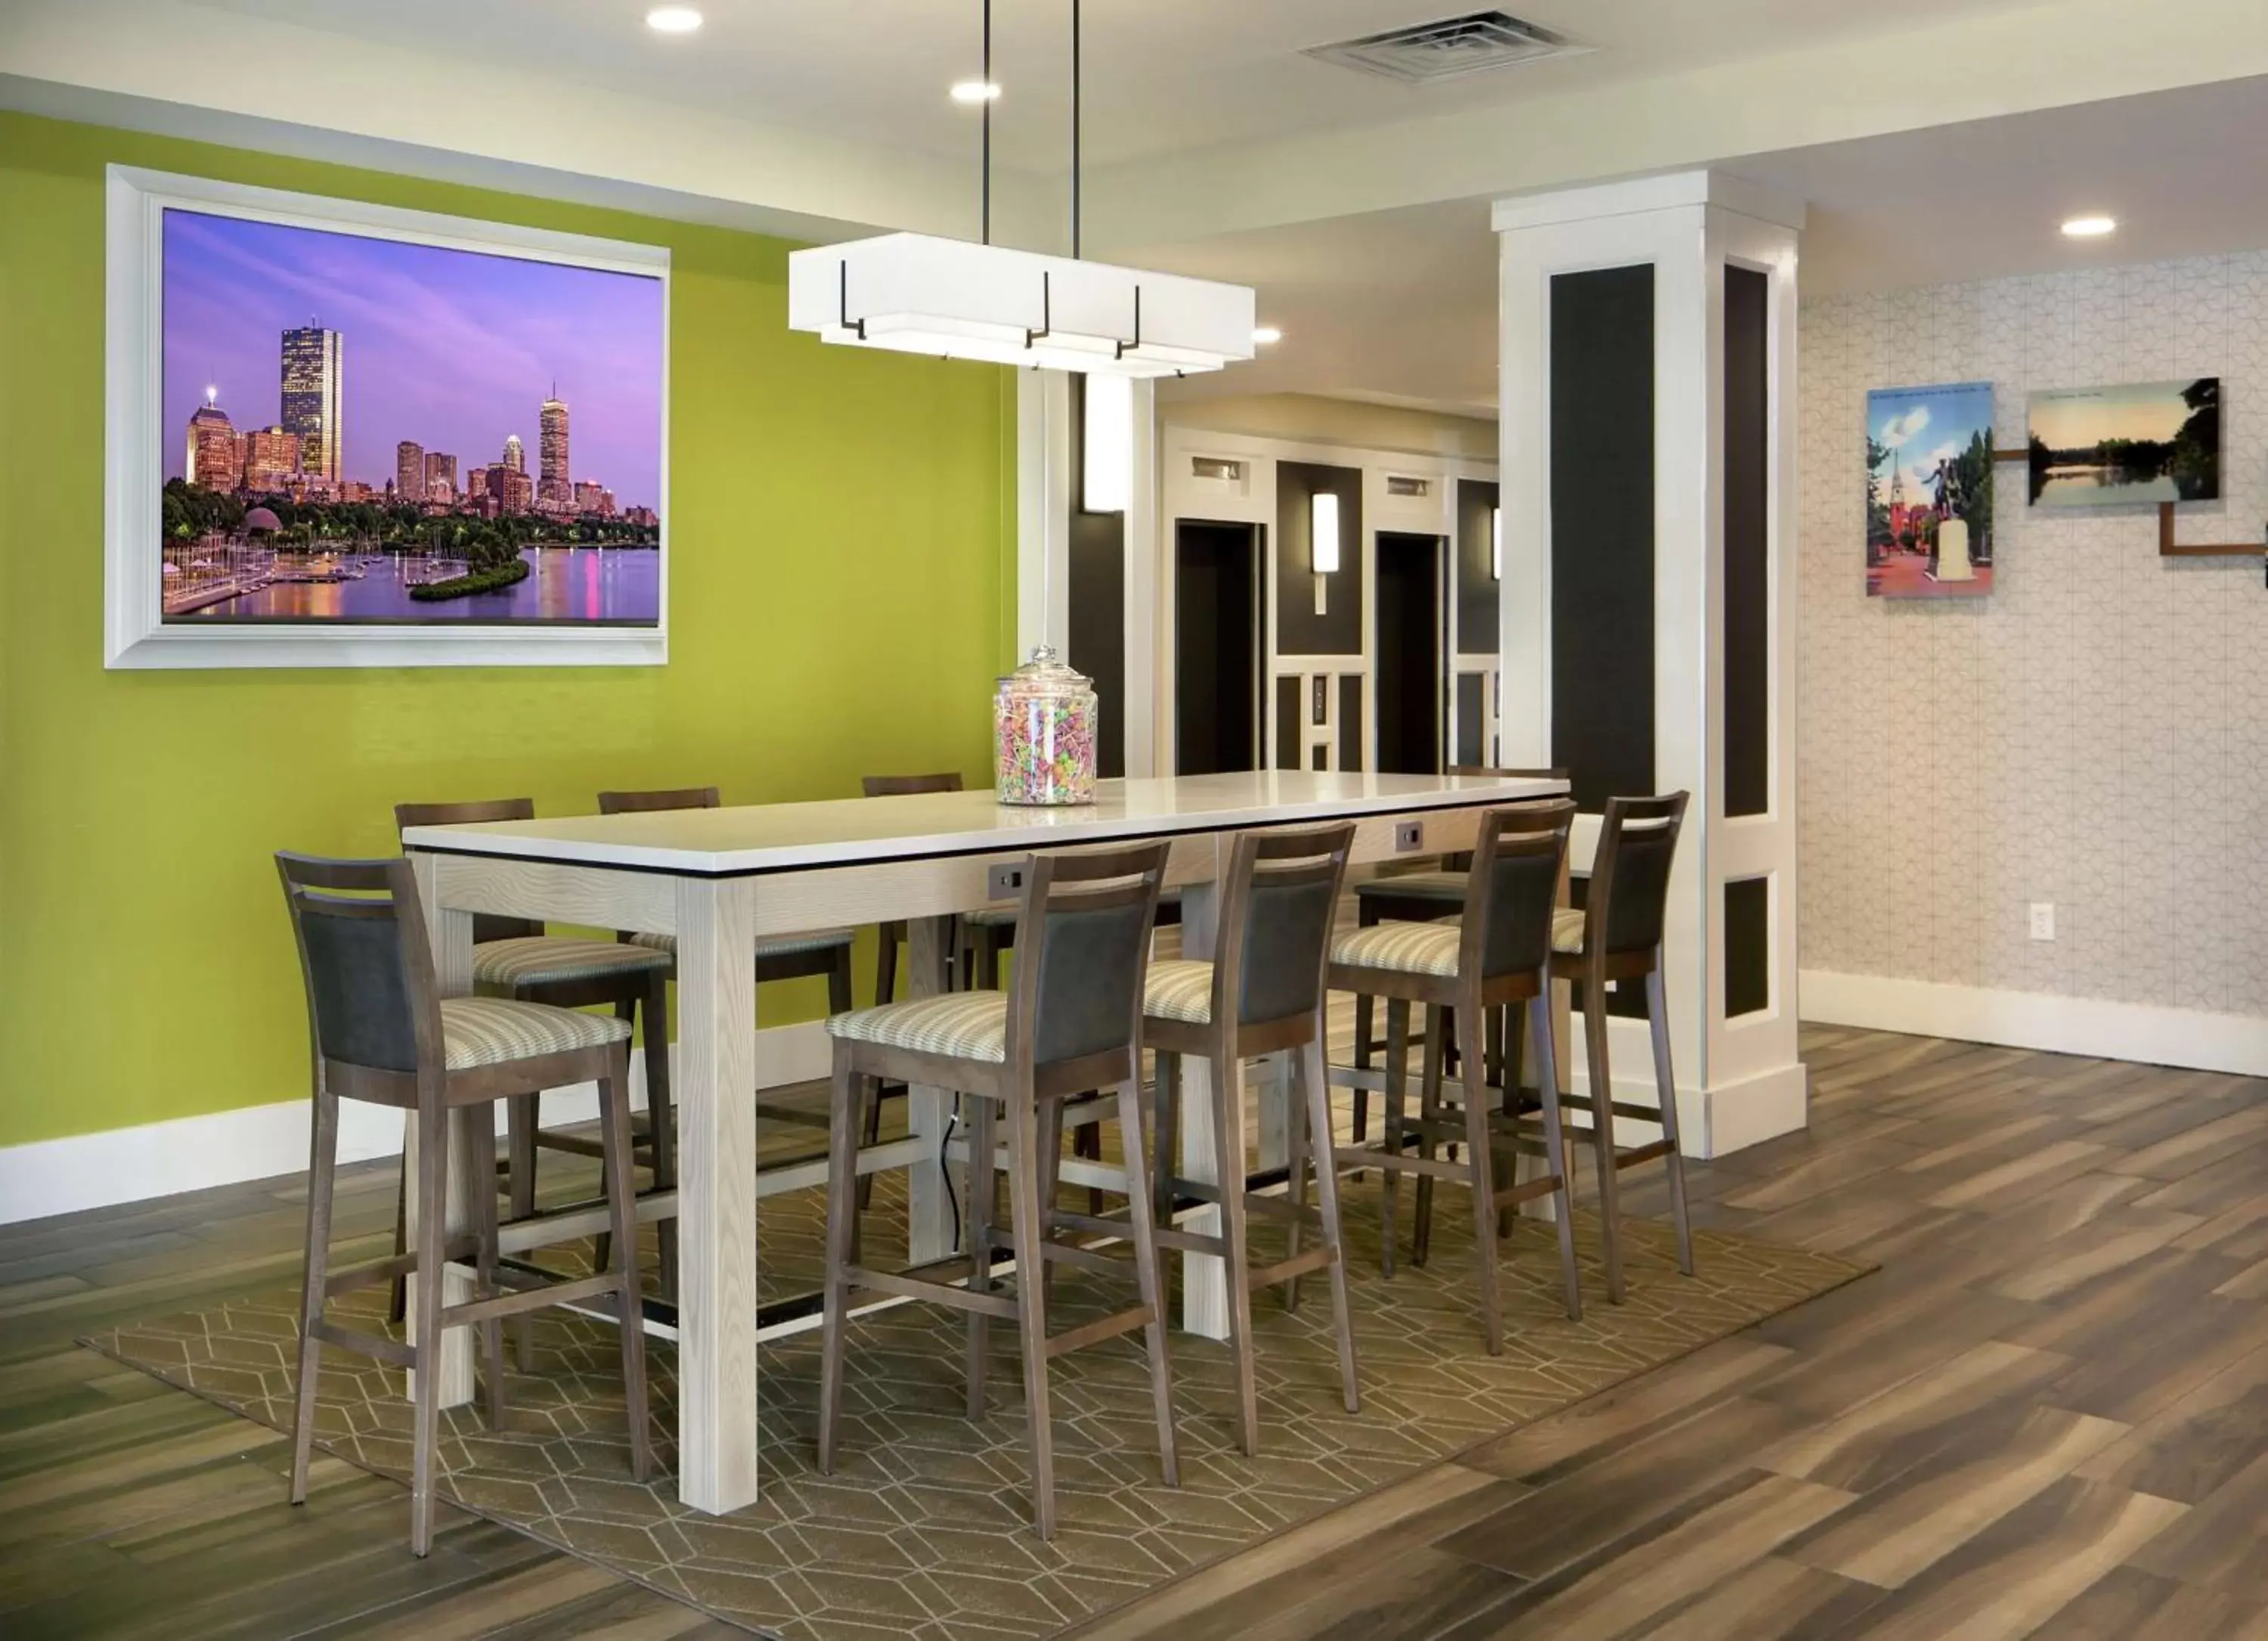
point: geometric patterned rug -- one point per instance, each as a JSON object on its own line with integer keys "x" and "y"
{"x": 922, "y": 1530}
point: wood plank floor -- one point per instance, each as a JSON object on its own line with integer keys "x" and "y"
{"x": 2047, "y": 1416}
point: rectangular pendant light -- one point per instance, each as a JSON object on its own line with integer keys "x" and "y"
{"x": 952, "y": 299}
{"x": 1323, "y": 533}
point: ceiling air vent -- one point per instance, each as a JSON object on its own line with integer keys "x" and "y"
{"x": 1453, "y": 46}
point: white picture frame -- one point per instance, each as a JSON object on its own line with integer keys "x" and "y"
{"x": 136, "y": 635}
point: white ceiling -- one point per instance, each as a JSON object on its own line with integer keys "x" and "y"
{"x": 1401, "y": 305}
{"x": 1160, "y": 74}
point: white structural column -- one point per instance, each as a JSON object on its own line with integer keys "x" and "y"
{"x": 1739, "y": 1080}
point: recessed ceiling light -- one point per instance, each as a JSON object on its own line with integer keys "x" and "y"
{"x": 2089, "y": 228}
{"x": 1266, "y": 334}
{"x": 975, "y": 91}
{"x": 673, "y": 20}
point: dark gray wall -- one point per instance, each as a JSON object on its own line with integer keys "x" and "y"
{"x": 1603, "y": 531}
{"x": 1299, "y": 631}
{"x": 1748, "y": 567}
{"x": 1477, "y": 631}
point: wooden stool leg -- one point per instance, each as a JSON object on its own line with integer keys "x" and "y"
{"x": 322, "y": 1165}
{"x": 425, "y": 1415}
{"x": 1365, "y": 1040}
{"x": 1032, "y": 1307}
{"x": 1086, "y": 1145}
{"x": 622, "y": 1207}
{"x": 1315, "y": 1088}
{"x": 842, "y": 1215}
{"x": 522, "y": 1115}
{"x": 1151, "y": 1277}
{"x": 1657, "y": 1020}
{"x": 1603, "y": 1137}
{"x": 1298, "y": 1145}
{"x": 1049, "y": 1122}
{"x": 1397, "y": 1076}
{"x": 397, "y": 1303}
{"x": 662, "y": 1118}
{"x": 885, "y": 963}
{"x": 1555, "y": 1144}
{"x": 484, "y": 1264}
{"x": 983, "y": 1192}
{"x": 1512, "y": 1036}
{"x": 1228, "y": 1141}
{"x": 1438, "y": 1024}
{"x": 1165, "y": 1142}
{"x": 1482, "y": 1160}
{"x": 602, "y": 1252}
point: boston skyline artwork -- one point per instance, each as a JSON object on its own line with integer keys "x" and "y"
{"x": 362, "y": 429}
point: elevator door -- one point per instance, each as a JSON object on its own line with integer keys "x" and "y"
{"x": 1406, "y": 642}
{"x": 1216, "y": 646}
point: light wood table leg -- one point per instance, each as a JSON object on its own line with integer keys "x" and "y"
{"x": 452, "y": 935}
{"x": 929, "y": 1212}
{"x": 1204, "y": 1277}
{"x": 716, "y": 1094}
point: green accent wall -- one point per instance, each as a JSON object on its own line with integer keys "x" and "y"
{"x": 842, "y": 598}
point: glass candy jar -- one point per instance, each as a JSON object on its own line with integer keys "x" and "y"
{"x": 1043, "y": 722}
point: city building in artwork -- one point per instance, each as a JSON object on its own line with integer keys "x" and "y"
{"x": 440, "y": 476}
{"x": 409, "y": 471}
{"x": 215, "y": 459}
{"x": 509, "y": 489}
{"x": 515, "y": 455}
{"x": 476, "y": 484}
{"x": 594, "y": 499}
{"x": 271, "y": 460}
{"x": 556, "y": 489}
{"x": 313, "y": 387}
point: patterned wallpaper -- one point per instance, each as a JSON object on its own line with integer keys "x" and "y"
{"x": 2095, "y": 733}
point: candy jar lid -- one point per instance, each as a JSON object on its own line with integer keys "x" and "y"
{"x": 1045, "y": 674}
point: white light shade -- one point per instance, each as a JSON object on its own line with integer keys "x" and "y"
{"x": 1109, "y": 484}
{"x": 673, "y": 20}
{"x": 1323, "y": 533}
{"x": 915, "y": 293}
{"x": 2089, "y": 228}
{"x": 1495, "y": 543}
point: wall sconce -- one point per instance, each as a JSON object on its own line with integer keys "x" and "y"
{"x": 1107, "y": 484}
{"x": 1495, "y": 543}
{"x": 1322, "y": 543}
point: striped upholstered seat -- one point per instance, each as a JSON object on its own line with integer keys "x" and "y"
{"x": 969, "y": 1025}
{"x": 1448, "y": 888}
{"x": 1180, "y": 988}
{"x": 1567, "y": 929}
{"x": 544, "y": 959}
{"x": 1406, "y": 947}
{"x": 489, "y": 1030}
{"x": 769, "y": 946}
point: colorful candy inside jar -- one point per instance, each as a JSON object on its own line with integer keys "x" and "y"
{"x": 1043, "y": 734}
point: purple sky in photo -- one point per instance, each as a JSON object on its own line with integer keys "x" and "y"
{"x": 453, "y": 350}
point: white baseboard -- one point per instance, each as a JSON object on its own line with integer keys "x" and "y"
{"x": 2189, "y": 1038}
{"x": 85, "y": 1171}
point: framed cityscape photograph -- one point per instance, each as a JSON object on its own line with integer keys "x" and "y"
{"x": 343, "y": 434}
{"x": 1929, "y": 491}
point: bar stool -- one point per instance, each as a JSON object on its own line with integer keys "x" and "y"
{"x": 1616, "y": 936}
{"x": 1072, "y": 1021}
{"x": 381, "y": 1032}
{"x": 1495, "y": 956}
{"x": 893, "y": 934}
{"x": 1262, "y": 994}
{"x": 1415, "y": 898}
{"x": 513, "y": 957}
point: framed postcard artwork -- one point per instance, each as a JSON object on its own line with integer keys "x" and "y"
{"x": 345, "y": 435}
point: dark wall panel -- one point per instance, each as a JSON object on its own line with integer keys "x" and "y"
{"x": 1603, "y": 531}
{"x": 1477, "y": 631}
{"x": 1096, "y": 642}
{"x": 1472, "y": 720}
{"x": 1349, "y": 721}
{"x": 1748, "y": 563}
{"x": 1216, "y": 646}
{"x": 1299, "y": 631}
{"x": 1747, "y": 946}
{"x": 1289, "y": 723}
{"x": 1408, "y": 651}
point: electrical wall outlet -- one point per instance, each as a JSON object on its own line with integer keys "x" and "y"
{"x": 2043, "y": 919}
{"x": 1409, "y": 837}
{"x": 1005, "y": 881}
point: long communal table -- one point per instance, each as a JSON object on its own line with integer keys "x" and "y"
{"x": 717, "y": 879}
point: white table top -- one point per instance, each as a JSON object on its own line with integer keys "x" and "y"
{"x": 792, "y": 836}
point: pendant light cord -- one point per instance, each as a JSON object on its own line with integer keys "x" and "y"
{"x": 988, "y": 121}
{"x": 1074, "y": 130}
